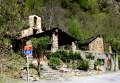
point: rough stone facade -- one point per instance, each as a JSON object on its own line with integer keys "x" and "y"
{"x": 34, "y": 24}
{"x": 54, "y": 47}
{"x": 97, "y": 45}
{"x": 73, "y": 46}
{"x": 110, "y": 49}
{"x": 26, "y": 32}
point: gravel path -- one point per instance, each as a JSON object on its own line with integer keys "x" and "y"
{"x": 106, "y": 78}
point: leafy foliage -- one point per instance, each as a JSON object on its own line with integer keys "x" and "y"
{"x": 1, "y": 20}
{"x": 54, "y": 62}
{"x": 33, "y": 5}
{"x": 12, "y": 65}
{"x": 83, "y": 65}
{"x": 74, "y": 28}
{"x": 40, "y": 43}
{"x": 82, "y": 18}
{"x": 99, "y": 62}
{"x": 65, "y": 56}
{"x": 87, "y": 4}
{"x": 73, "y": 60}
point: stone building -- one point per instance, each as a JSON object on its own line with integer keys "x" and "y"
{"x": 94, "y": 44}
{"x": 57, "y": 36}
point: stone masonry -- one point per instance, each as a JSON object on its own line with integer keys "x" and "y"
{"x": 54, "y": 47}
{"x": 97, "y": 45}
{"x": 110, "y": 49}
{"x": 73, "y": 46}
{"x": 34, "y": 24}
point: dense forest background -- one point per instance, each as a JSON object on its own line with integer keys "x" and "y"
{"x": 82, "y": 18}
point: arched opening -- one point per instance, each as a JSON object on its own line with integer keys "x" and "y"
{"x": 35, "y": 25}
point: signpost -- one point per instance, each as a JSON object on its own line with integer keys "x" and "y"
{"x": 28, "y": 52}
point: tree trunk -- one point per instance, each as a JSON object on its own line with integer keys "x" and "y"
{"x": 40, "y": 60}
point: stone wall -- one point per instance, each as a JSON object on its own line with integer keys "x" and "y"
{"x": 32, "y": 25}
{"x": 97, "y": 45}
{"x": 26, "y": 32}
{"x": 38, "y": 22}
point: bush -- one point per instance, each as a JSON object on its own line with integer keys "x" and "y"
{"x": 65, "y": 56}
{"x": 54, "y": 62}
{"x": 83, "y": 65}
{"x": 89, "y": 56}
{"x": 74, "y": 56}
{"x": 99, "y": 62}
{"x": 2, "y": 20}
{"x": 72, "y": 64}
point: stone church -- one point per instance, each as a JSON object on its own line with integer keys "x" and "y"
{"x": 58, "y": 37}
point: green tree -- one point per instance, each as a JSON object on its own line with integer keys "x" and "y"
{"x": 39, "y": 46}
{"x": 88, "y": 4}
{"x": 32, "y": 6}
{"x": 115, "y": 43}
{"x": 74, "y": 28}
{"x": 54, "y": 62}
{"x": 67, "y": 4}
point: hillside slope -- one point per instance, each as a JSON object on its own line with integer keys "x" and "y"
{"x": 90, "y": 17}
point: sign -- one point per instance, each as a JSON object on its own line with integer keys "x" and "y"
{"x": 28, "y": 49}
{"x": 26, "y": 52}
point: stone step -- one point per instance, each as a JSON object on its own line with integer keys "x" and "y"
{"x": 50, "y": 74}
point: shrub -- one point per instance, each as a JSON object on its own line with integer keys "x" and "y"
{"x": 99, "y": 62}
{"x": 74, "y": 56}
{"x": 65, "y": 56}
{"x": 2, "y": 20}
{"x": 72, "y": 64}
{"x": 56, "y": 55}
{"x": 90, "y": 56}
{"x": 54, "y": 62}
{"x": 83, "y": 65}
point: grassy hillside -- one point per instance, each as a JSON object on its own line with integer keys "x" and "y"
{"x": 90, "y": 17}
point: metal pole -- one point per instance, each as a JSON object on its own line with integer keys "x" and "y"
{"x": 27, "y": 70}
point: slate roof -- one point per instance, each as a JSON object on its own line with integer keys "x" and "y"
{"x": 89, "y": 40}
{"x": 63, "y": 37}
{"x": 84, "y": 45}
